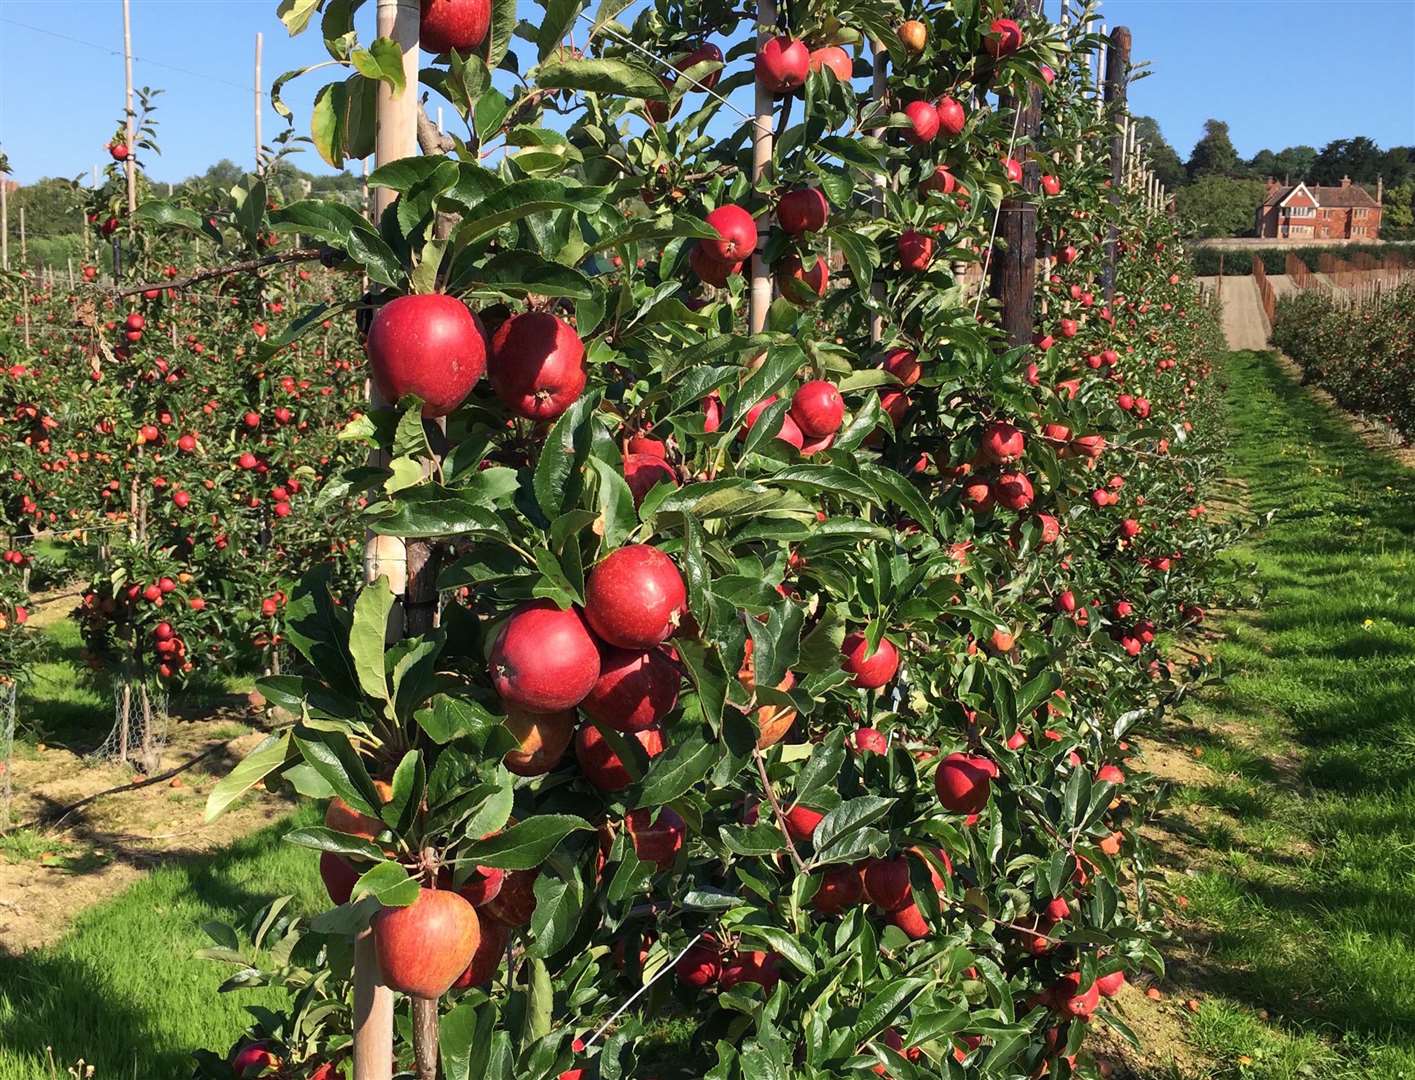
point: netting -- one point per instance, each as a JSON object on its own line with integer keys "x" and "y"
{"x": 8, "y": 692}
{"x": 139, "y": 732}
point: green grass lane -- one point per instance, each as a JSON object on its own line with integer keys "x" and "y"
{"x": 124, "y": 989}
{"x": 1307, "y": 884}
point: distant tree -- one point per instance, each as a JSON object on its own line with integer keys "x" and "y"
{"x": 1398, "y": 165}
{"x": 1294, "y": 163}
{"x": 1359, "y": 158}
{"x": 225, "y": 174}
{"x": 1213, "y": 155}
{"x": 1399, "y": 207}
{"x": 1214, "y": 206}
{"x": 1163, "y": 160}
{"x": 1263, "y": 164}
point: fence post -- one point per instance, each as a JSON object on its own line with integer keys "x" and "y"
{"x": 1014, "y": 274}
{"x": 1117, "y": 72}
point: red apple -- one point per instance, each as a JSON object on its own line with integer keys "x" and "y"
{"x": 543, "y": 738}
{"x": 963, "y": 782}
{"x": 887, "y": 882}
{"x": 1001, "y": 443}
{"x": 801, "y": 211}
{"x": 801, "y": 286}
{"x": 782, "y": 64}
{"x": 601, "y": 765}
{"x": 644, "y": 472}
{"x": 657, "y": 837}
{"x": 454, "y": 24}
{"x": 635, "y": 597}
{"x": 916, "y": 250}
{"x": 737, "y": 234}
{"x": 537, "y": 365}
{"x": 951, "y": 116}
{"x": 818, "y": 408}
{"x": 544, "y": 659}
{"x": 871, "y": 670}
{"x": 1004, "y": 38}
{"x": 487, "y": 957}
{"x": 840, "y": 889}
{"x": 422, "y": 948}
{"x": 835, "y": 60}
{"x": 923, "y": 122}
{"x": 636, "y": 689}
{"x": 430, "y": 345}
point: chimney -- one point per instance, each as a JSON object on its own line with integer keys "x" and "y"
{"x": 1346, "y": 181}
{"x": 1272, "y": 185}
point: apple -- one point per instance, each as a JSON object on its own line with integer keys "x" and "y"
{"x": 483, "y": 886}
{"x": 1109, "y": 774}
{"x": 514, "y": 905}
{"x": 913, "y": 35}
{"x": 886, "y": 882}
{"x": 951, "y": 116}
{"x": 835, "y": 60}
{"x": 430, "y": 345}
{"x": 1109, "y": 985}
{"x": 1013, "y": 168}
{"x": 1013, "y": 490}
{"x": 544, "y": 659}
{"x": 644, "y": 472}
{"x": 656, "y": 838}
{"x": 782, "y": 64}
{"x": 1001, "y": 443}
{"x": 1004, "y": 38}
{"x": 454, "y": 24}
{"x": 870, "y": 669}
{"x": 818, "y": 408}
{"x": 940, "y": 180}
{"x": 543, "y": 738}
{"x": 635, "y": 597}
{"x": 1050, "y": 184}
{"x": 710, "y": 270}
{"x": 338, "y": 875}
{"x": 868, "y": 740}
{"x": 636, "y": 689}
{"x": 923, "y": 122}
{"x": 840, "y": 890}
{"x": 1067, "y": 998}
{"x": 601, "y": 765}
{"x": 762, "y": 968}
{"x": 790, "y": 431}
{"x": 537, "y": 365}
{"x": 916, "y": 250}
{"x": 903, "y": 364}
{"x": 253, "y": 1059}
{"x": 118, "y": 151}
{"x": 701, "y": 965}
{"x": 487, "y": 957}
{"x": 963, "y": 782}
{"x": 704, "y": 54}
{"x": 737, "y": 234}
{"x": 341, "y": 817}
{"x": 801, "y": 822}
{"x": 424, "y": 947}
{"x": 801, "y": 286}
{"x": 804, "y": 210}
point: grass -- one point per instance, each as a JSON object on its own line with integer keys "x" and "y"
{"x": 123, "y": 989}
{"x": 1308, "y": 886}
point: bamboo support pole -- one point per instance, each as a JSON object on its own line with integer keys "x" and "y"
{"x": 258, "y": 102}
{"x": 4, "y": 222}
{"x": 762, "y": 138}
{"x": 131, "y": 165}
{"x": 879, "y": 86}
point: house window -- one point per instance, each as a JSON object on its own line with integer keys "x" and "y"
{"x": 1302, "y": 211}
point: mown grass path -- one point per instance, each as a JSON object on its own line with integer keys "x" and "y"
{"x": 1303, "y": 898}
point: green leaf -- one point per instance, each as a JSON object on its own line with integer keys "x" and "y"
{"x": 784, "y": 943}
{"x": 849, "y": 816}
{"x": 253, "y": 768}
{"x": 677, "y": 769}
{"x": 326, "y": 123}
{"x": 369, "y": 635}
{"x": 559, "y": 902}
{"x": 432, "y": 510}
{"x": 319, "y": 629}
{"x": 332, "y": 755}
{"x": 345, "y": 229}
{"x": 455, "y": 1034}
{"x": 503, "y": 28}
{"x": 451, "y": 718}
{"x": 296, "y": 14}
{"x": 617, "y": 516}
{"x": 526, "y": 844}
{"x": 383, "y": 60}
{"x": 388, "y": 883}
{"x": 556, "y": 482}
{"x": 1036, "y": 691}
{"x": 601, "y": 77}
{"x": 520, "y": 272}
{"x": 559, "y": 19}
{"x": 322, "y": 839}
{"x": 518, "y": 200}
{"x": 161, "y": 213}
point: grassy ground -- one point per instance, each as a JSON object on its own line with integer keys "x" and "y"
{"x": 124, "y": 991}
{"x": 1304, "y": 899}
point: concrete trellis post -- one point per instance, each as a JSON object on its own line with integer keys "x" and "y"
{"x": 1117, "y": 73}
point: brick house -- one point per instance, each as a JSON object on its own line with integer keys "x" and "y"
{"x": 1310, "y": 212}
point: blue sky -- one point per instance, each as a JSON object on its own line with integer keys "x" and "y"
{"x": 1351, "y": 71}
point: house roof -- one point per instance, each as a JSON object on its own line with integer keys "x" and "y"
{"x": 1341, "y": 197}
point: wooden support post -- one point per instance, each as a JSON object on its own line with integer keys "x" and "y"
{"x": 395, "y": 137}
{"x": 259, "y": 102}
{"x": 762, "y": 138}
{"x": 1117, "y": 74}
{"x": 879, "y": 86}
{"x": 1014, "y": 272}
{"x": 131, "y": 166}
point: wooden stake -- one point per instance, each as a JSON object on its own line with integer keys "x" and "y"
{"x": 761, "y": 162}
{"x": 879, "y": 86}
{"x": 259, "y": 101}
{"x": 395, "y": 137}
{"x": 1014, "y": 271}
{"x": 131, "y": 164}
{"x": 24, "y": 247}
{"x": 1117, "y": 73}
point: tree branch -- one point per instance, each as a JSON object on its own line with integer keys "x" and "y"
{"x": 244, "y": 267}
